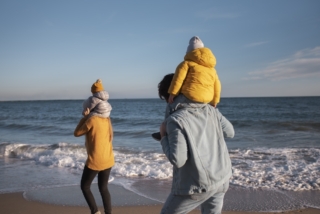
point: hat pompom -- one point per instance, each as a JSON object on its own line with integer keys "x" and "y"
{"x": 97, "y": 86}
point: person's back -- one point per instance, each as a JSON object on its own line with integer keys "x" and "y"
{"x": 192, "y": 138}
{"x": 196, "y": 77}
{"x": 202, "y": 162}
{"x": 98, "y": 134}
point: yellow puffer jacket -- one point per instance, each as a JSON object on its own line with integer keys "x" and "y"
{"x": 196, "y": 77}
{"x": 99, "y": 136}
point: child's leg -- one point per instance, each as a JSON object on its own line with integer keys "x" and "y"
{"x": 177, "y": 103}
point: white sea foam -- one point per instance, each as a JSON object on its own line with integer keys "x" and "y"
{"x": 151, "y": 165}
{"x": 60, "y": 155}
{"x": 287, "y": 169}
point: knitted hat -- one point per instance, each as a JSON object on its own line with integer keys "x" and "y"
{"x": 97, "y": 86}
{"x": 194, "y": 43}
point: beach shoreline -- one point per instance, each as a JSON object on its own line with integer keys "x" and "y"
{"x": 150, "y": 196}
{"x": 275, "y": 156}
{"x": 15, "y": 203}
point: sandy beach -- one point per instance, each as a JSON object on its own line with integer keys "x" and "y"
{"x": 69, "y": 199}
{"x": 15, "y": 203}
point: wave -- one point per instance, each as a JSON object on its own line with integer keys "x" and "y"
{"x": 282, "y": 168}
{"x": 21, "y": 126}
{"x": 54, "y": 155}
{"x": 277, "y": 125}
{"x": 133, "y": 134}
{"x": 58, "y": 130}
{"x": 130, "y": 122}
{"x": 125, "y": 124}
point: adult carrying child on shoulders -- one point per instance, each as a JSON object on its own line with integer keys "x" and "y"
{"x": 97, "y": 128}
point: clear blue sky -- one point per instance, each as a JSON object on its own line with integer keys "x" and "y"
{"x": 57, "y": 49}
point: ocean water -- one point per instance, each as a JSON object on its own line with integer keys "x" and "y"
{"x": 275, "y": 153}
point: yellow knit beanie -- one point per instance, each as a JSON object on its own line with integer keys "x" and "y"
{"x": 97, "y": 86}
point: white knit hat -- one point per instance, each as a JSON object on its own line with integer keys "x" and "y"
{"x": 194, "y": 43}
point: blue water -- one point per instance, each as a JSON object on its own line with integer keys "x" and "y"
{"x": 276, "y": 146}
{"x": 271, "y": 122}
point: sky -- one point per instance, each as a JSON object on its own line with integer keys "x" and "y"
{"x": 57, "y": 49}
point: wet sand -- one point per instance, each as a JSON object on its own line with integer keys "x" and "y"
{"x": 15, "y": 203}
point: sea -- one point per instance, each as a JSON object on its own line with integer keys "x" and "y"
{"x": 275, "y": 153}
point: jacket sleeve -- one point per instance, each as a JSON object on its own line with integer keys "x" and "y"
{"x": 226, "y": 125}
{"x": 82, "y": 128}
{"x": 216, "y": 91}
{"x": 174, "y": 145}
{"x": 178, "y": 78}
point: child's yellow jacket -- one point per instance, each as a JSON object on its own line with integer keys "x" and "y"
{"x": 99, "y": 134}
{"x": 196, "y": 77}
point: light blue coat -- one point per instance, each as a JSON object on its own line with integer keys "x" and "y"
{"x": 196, "y": 148}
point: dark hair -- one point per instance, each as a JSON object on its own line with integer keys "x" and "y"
{"x": 163, "y": 87}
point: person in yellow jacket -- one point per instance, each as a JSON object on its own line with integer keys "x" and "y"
{"x": 98, "y": 141}
{"x": 195, "y": 79}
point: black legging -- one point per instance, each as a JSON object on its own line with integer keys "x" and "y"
{"x": 103, "y": 176}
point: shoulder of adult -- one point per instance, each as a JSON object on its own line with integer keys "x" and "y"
{"x": 178, "y": 116}
{"x": 91, "y": 117}
{"x": 215, "y": 111}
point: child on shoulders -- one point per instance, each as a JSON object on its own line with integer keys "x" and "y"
{"x": 97, "y": 104}
{"x": 195, "y": 79}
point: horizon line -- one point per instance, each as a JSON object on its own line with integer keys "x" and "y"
{"x": 159, "y": 98}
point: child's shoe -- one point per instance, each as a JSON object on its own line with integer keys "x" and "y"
{"x": 156, "y": 136}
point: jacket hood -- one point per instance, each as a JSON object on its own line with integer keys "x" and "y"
{"x": 102, "y": 95}
{"x": 202, "y": 56}
{"x": 185, "y": 105}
